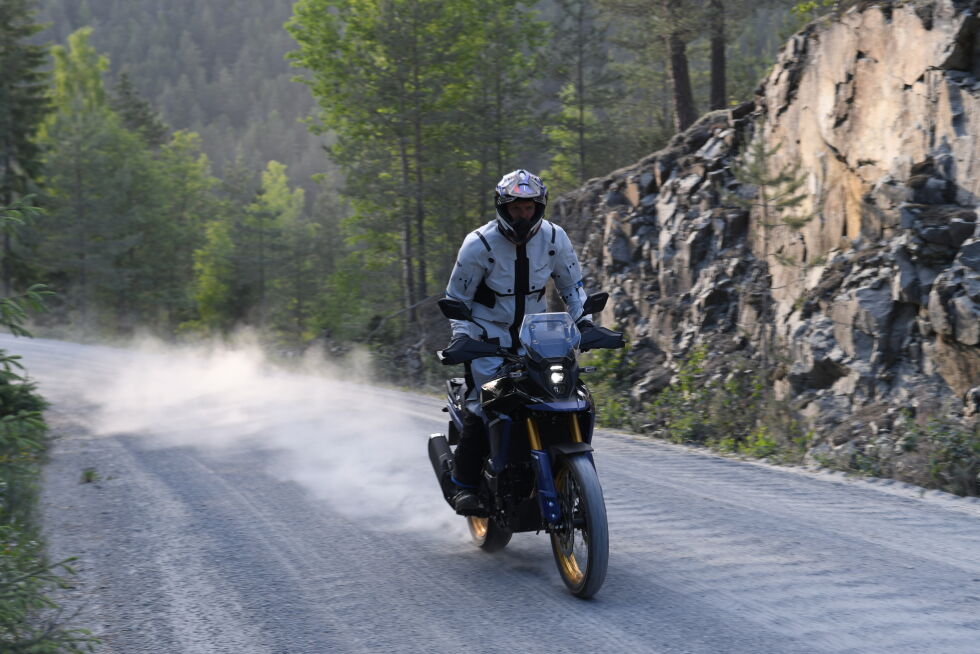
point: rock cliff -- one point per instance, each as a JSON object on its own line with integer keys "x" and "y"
{"x": 875, "y": 300}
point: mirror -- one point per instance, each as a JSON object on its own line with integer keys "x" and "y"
{"x": 455, "y": 309}
{"x": 594, "y": 303}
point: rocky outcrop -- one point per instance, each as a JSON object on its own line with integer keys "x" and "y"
{"x": 876, "y": 299}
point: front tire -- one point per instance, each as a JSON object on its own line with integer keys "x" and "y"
{"x": 487, "y": 534}
{"x": 580, "y": 542}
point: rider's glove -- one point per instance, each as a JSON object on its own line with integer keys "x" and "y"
{"x": 447, "y": 355}
{"x": 584, "y": 325}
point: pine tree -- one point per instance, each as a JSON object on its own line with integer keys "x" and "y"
{"x": 390, "y": 78}
{"x": 122, "y": 219}
{"x": 275, "y": 251}
{"x": 775, "y": 198}
{"x": 579, "y": 59}
{"x": 23, "y": 106}
{"x": 136, "y": 113}
{"x": 499, "y": 129}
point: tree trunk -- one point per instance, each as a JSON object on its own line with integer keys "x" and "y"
{"x": 7, "y": 199}
{"x": 685, "y": 112}
{"x": 718, "y": 63}
{"x": 580, "y": 90}
{"x": 407, "y": 254}
{"x": 420, "y": 209}
{"x": 7, "y": 268}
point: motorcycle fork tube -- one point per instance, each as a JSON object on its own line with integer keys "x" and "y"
{"x": 576, "y": 428}
{"x": 547, "y": 495}
{"x": 533, "y": 437}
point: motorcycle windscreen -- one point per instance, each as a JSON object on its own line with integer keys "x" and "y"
{"x": 549, "y": 335}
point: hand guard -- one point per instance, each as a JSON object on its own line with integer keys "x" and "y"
{"x": 599, "y": 338}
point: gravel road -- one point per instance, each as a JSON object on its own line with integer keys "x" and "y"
{"x": 242, "y": 509}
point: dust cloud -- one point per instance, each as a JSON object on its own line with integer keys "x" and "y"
{"x": 362, "y": 449}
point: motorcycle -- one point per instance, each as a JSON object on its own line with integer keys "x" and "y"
{"x": 539, "y": 474}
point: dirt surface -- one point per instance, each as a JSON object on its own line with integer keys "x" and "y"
{"x": 257, "y": 511}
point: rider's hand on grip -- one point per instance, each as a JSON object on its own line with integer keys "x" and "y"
{"x": 450, "y": 355}
{"x": 594, "y": 338}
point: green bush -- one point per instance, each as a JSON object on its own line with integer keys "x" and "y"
{"x": 30, "y": 621}
{"x": 953, "y": 453}
{"x": 727, "y": 409}
{"x": 610, "y": 385}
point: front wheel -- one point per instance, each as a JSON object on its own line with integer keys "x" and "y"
{"x": 580, "y": 542}
{"x": 487, "y": 534}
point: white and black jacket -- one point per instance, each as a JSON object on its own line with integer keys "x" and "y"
{"x": 502, "y": 282}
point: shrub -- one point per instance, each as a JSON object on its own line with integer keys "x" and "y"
{"x": 30, "y": 622}
{"x": 730, "y": 410}
{"x": 953, "y": 453}
{"x": 610, "y": 385}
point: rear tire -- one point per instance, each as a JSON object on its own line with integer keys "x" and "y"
{"x": 487, "y": 534}
{"x": 580, "y": 542}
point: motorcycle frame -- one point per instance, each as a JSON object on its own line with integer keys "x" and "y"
{"x": 544, "y": 453}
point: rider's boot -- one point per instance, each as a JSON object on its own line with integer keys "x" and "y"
{"x": 467, "y": 464}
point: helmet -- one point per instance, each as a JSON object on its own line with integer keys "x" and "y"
{"x": 519, "y": 185}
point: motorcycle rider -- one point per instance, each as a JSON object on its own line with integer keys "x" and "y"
{"x": 501, "y": 273}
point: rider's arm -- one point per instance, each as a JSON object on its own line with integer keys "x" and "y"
{"x": 567, "y": 274}
{"x": 466, "y": 276}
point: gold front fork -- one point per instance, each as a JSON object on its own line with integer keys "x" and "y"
{"x": 532, "y": 434}
{"x": 535, "y": 438}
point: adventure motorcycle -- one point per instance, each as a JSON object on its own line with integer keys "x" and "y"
{"x": 539, "y": 417}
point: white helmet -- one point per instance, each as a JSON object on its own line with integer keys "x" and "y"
{"x": 520, "y": 185}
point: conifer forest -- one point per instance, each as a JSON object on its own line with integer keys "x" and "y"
{"x": 309, "y": 168}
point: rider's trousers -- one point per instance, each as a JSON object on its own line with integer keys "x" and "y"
{"x": 473, "y": 444}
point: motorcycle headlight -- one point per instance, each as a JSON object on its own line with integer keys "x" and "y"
{"x": 557, "y": 379}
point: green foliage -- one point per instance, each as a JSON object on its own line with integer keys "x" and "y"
{"x": 29, "y": 620}
{"x": 727, "y": 409}
{"x": 23, "y": 89}
{"x": 258, "y": 262}
{"x": 23, "y": 105}
{"x": 776, "y": 199}
{"x": 214, "y": 279}
{"x": 779, "y": 193}
{"x": 936, "y": 451}
{"x": 680, "y": 410}
{"x": 210, "y": 67}
{"x": 414, "y": 98}
{"x": 14, "y": 311}
{"x": 610, "y": 385}
{"x": 136, "y": 113}
{"x": 953, "y": 453}
{"x": 579, "y": 58}
{"x": 123, "y": 217}
{"x": 418, "y": 106}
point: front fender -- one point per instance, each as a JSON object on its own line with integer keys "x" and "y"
{"x": 569, "y": 450}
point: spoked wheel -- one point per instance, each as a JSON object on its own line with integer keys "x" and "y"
{"x": 487, "y": 534}
{"x": 581, "y": 540}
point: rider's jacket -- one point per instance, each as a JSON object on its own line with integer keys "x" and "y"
{"x": 502, "y": 282}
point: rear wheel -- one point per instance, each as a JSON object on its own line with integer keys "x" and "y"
{"x": 580, "y": 542}
{"x": 487, "y": 534}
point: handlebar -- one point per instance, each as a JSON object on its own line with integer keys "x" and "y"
{"x": 464, "y": 349}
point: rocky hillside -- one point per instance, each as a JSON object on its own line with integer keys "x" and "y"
{"x": 869, "y": 311}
